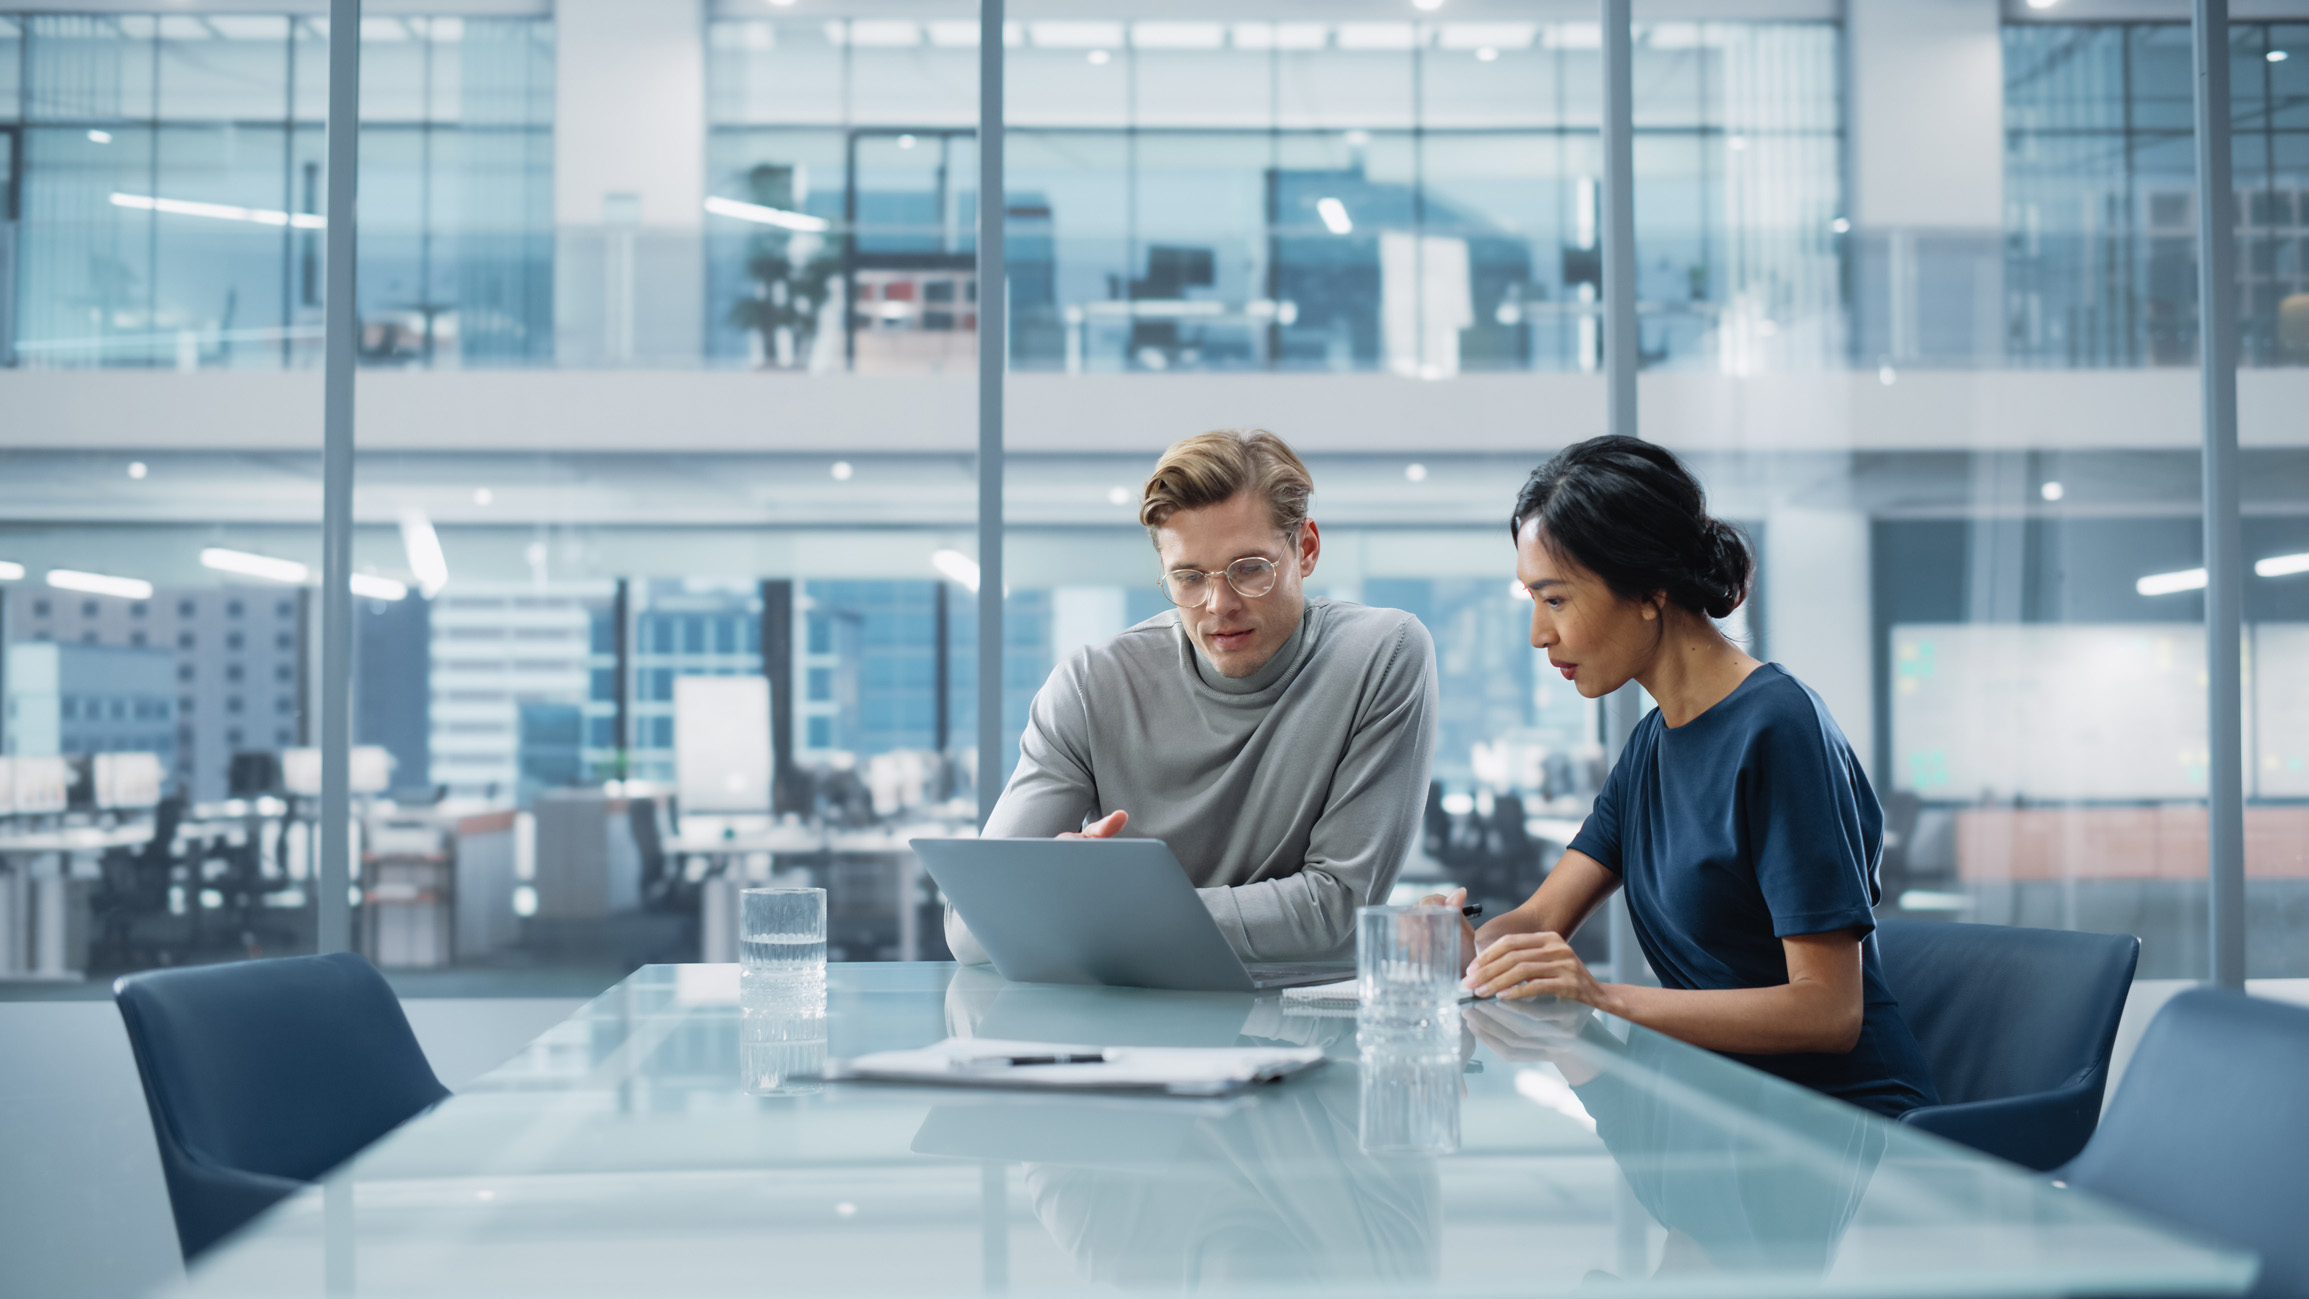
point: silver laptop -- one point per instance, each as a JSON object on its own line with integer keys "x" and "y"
{"x": 1117, "y": 912}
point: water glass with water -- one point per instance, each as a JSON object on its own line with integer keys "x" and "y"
{"x": 1410, "y": 1094}
{"x": 782, "y": 949}
{"x": 1407, "y": 960}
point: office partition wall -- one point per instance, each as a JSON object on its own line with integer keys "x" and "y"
{"x": 695, "y": 385}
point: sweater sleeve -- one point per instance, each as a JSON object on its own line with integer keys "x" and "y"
{"x": 1366, "y": 827}
{"x": 1050, "y": 791}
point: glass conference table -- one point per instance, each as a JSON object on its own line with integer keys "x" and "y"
{"x": 654, "y": 1144}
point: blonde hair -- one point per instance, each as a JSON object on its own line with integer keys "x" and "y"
{"x": 1212, "y": 467}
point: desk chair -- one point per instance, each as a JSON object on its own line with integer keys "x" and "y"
{"x": 2017, "y": 1026}
{"x": 2208, "y": 1128}
{"x": 263, "y": 1075}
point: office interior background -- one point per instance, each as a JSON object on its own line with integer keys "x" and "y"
{"x": 668, "y": 335}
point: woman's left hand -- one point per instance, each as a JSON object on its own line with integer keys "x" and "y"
{"x": 1532, "y": 965}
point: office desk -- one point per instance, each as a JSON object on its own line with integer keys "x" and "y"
{"x": 621, "y": 1153}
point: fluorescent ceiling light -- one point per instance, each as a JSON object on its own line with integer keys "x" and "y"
{"x": 1281, "y": 36}
{"x": 957, "y": 567}
{"x": 1075, "y": 36}
{"x": 126, "y": 588}
{"x": 2188, "y": 579}
{"x": 220, "y": 211}
{"x": 954, "y": 35}
{"x": 2276, "y": 56}
{"x": 1178, "y": 36}
{"x": 768, "y": 216}
{"x": 2282, "y": 565}
{"x": 1334, "y": 214}
{"x": 377, "y": 588}
{"x": 249, "y": 565}
{"x": 11, "y": 572}
{"x": 885, "y": 33}
{"x": 1494, "y": 36}
{"x": 424, "y": 549}
{"x": 1377, "y": 36}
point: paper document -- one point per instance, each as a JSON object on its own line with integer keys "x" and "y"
{"x": 1334, "y": 996}
{"x": 1173, "y": 1070}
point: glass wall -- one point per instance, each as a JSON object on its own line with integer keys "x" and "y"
{"x": 168, "y": 185}
{"x": 2103, "y": 193}
{"x": 1376, "y": 237}
{"x": 1350, "y": 196}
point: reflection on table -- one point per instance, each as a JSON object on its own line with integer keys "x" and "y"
{"x": 632, "y": 1149}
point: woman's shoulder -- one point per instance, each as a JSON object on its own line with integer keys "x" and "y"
{"x": 1780, "y": 709}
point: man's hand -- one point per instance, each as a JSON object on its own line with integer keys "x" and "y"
{"x": 1457, "y": 899}
{"x": 1106, "y": 827}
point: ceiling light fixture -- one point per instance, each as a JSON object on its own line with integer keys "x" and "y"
{"x": 100, "y": 137}
{"x": 841, "y": 471}
{"x": 126, "y": 588}
{"x": 1415, "y": 472}
{"x": 1098, "y": 58}
{"x": 2276, "y": 56}
{"x": 956, "y": 567}
{"x": 220, "y": 211}
{"x": 253, "y": 565}
{"x": 2282, "y": 566}
{"x": 11, "y": 572}
{"x": 2187, "y": 579}
{"x": 136, "y": 469}
{"x": 426, "y": 560}
{"x": 377, "y": 588}
{"x": 1334, "y": 214}
{"x": 2052, "y": 491}
{"x": 768, "y": 216}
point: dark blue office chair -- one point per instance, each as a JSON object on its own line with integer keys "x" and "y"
{"x": 263, "y": 1075}
{"x": 2016, "y": 1024}
{"x": 2209, "y": 1129}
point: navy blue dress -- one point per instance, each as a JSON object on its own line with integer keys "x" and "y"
{"x": 1750, "y": 823}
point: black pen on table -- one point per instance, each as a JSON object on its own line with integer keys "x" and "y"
{"x": 1473, "y": 911}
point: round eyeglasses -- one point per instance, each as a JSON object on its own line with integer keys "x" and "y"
{"x": 1188, "y": 588}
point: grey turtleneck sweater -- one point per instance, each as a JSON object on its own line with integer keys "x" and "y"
{"x": 1290, "y": 796}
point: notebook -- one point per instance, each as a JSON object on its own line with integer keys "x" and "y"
{"x": 1334, "y": 998}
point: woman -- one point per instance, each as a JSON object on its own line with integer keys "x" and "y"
{"x": 1737, "y": 819}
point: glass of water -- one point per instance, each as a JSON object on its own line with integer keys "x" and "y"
{"x": 782, "y": 950}
{"x": 1411, "y": 1086}
{"x": 1407, "y": 960}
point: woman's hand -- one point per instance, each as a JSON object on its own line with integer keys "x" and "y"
{"x": 1532, "y": 965}
{"x": 1457, "y": 898}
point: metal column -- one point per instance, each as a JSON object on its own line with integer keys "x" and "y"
{"x": 1618, "y": 233}
{"x": 342, "y": 322}
{"x": 993, "y": 353}
{"x": 1623, "y": 709}
{"x": 2224, "y": 537}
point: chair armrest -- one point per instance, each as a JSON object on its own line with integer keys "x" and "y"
{"x": 212, "y": 1201}
{"x": 2041, "y": 1130}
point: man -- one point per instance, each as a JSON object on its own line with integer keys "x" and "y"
{"x": 1278, "y": 744}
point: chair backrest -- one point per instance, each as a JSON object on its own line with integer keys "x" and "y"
{"x": 2001, "y": 1011}
{"x": 2209, "y": 1127}
{"x": 285, "y": 1067}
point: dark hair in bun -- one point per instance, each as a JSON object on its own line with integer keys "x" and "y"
{"x": 1629, "y": 512}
